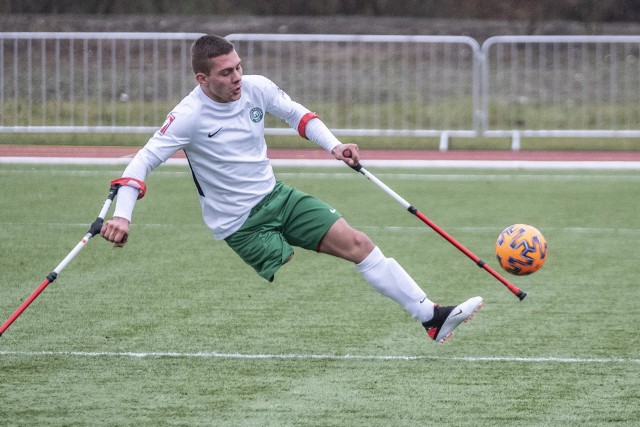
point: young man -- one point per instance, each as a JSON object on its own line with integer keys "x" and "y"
{"x": 220, "y": 127}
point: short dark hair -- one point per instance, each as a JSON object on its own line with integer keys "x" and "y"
{"x": 205, "y": 48}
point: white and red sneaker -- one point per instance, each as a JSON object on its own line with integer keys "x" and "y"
{"x": 446, "y": 319}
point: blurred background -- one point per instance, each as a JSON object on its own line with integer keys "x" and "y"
{"x": 476, "y": 18}
{"x": 579, "y": 10}
{"x": 116, "y": 67}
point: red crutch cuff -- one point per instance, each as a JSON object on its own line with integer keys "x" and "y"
{"x": 302, "y": 126}
{"x": 132, "y": 182}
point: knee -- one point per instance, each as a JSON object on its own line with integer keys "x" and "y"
{"x": 362, "y": 246}
{"x": 362, "y": 241}
{"x": 346, "y": 242}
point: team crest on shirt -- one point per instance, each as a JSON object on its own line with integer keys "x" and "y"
{"x": 256, "y": 114}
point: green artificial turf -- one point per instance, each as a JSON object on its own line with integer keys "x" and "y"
{"x": 174, "y": 329}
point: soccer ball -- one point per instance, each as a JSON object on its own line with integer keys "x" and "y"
{"x": 521, "y": 249}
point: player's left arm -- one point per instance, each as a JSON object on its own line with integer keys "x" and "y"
{"x": 318, "y": 132}
{"x": 309, "y": 125}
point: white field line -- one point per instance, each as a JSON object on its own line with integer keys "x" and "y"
{"x": 464, "y": 177}
{"x": 164, "y": 173}
{"x": 214, "y": 355}
{"x": 473, "y": 164}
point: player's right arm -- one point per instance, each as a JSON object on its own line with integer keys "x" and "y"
{"x": 116, "y": 230}
{"x": 174, "y": 135}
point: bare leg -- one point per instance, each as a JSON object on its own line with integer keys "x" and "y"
{"x": 346, "y": 242}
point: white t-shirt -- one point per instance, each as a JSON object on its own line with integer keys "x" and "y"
{"x": 226, "y": 150}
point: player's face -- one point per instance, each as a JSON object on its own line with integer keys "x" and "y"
{"x": 224, "y": 82}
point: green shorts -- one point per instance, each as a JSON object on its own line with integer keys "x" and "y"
{"x": 284, "y": 218}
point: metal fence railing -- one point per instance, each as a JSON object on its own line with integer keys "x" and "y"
{"x": 561, "y": 86}
{"x": 374, "y": 85}
{"x": 127, "y": 82}
{"x": 422, "y": 86}
{"x": 91, "y": 82}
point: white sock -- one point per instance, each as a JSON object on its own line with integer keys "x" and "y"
{"x": 390, "y": 279}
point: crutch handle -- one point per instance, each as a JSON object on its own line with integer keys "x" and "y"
{"x": 347, "y": 153}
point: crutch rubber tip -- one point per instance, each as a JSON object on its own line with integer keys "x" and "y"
{"x": 521, "y": 295}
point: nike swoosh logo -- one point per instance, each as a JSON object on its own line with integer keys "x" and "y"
{"x": 332, "y": 210}
{"x": 458, "y": 313}
{"x": 212, "y": 134}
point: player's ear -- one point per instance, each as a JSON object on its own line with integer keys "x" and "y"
{"x": 201, "y": 78}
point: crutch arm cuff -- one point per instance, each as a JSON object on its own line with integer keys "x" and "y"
{"x": 302, "y": 125}
{"x": 131, "y": 182}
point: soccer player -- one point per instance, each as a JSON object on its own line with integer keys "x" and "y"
{"x": 220, "y": 127}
